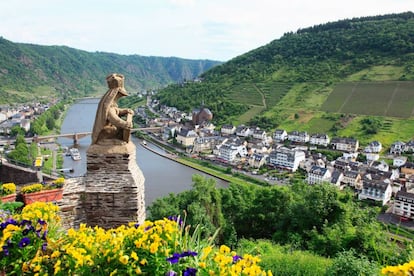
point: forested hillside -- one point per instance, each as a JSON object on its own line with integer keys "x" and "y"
{"x": 28, "y": 70}
{"x": 285, "y": 82}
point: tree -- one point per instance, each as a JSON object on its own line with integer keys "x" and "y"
{"x": 15, "y": 130}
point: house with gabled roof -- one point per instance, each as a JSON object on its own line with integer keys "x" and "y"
{"x": 373, "y": 147}
{"x": 318, "y": 175}
{"x": 259, "y": 134}
{"x": 376, "y": 190}
{"x": 336, "y": 178}
{"x": 352, "y": 179}
{"x": 228, "y": 152}
{"x": 207, "y": 143}
{"x": 257, "y": 160}
{"x": 280, "y": 135}
{"x": 227, "y": 130}
{"x": 409, "y": 146}
{"x": 407, "y": 168}
{"x": 244, "y": 131}
{"x": 298, "y": 136}
{"x": 404, "y": 204}
{"x": 398, "y": 161}
{"x": 286, "y": 158}
{"x": 397, "y": 147}
{"x": 186, "y": 137}
{"x": 345, "y": 144}
{"x": 319, "y": 139}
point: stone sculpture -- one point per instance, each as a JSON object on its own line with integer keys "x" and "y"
{"x": 110, "y": 128}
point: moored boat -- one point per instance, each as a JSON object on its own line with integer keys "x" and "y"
{"x": 74, "y": 153}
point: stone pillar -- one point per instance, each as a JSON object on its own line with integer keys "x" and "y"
{"x": 114, "y": 186}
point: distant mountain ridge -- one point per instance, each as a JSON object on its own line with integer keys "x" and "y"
{"x": 27, "y": 69}
{"x": 296, "y": 73}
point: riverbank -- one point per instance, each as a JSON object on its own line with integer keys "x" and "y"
{"x": 210, "y": 171}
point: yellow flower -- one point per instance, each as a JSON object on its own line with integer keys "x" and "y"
{"x": 143, "y": 262}
{"x": 138, "y": 270}
{"x": 134, "y": 256}
{"x": 224, "y": 249}
{"x": 124, "y": 259}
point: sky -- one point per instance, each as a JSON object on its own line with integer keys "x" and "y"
{"x": 193, "y": 29}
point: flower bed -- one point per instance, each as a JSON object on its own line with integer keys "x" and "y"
{"x": 32, "y": 242}
{"x": 43, "y": 192}
{"x": 7, "y": 192}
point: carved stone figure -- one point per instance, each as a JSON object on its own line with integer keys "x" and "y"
{"x": 110, "y": 128}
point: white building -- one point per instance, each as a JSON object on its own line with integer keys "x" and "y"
{"x": 286, "y": 158}
{"x": 243, "y": 131}
{"x": 259, "y": 134}
{"x": 373, "y": 147}
{"x": 186, "y": 137}
{"x": 404, "y": 204}
{"x": 376, "y": 190}
{"x": 298, "y": 136}
{"x": 318, "y": 175}
{"x": 399, "y": 161}
{"x": 230, "y": 152}
{"x": 228, "y": 130}
{"x": 257, "y": 160}
{"x": 345, "y": 144}
{"x": 280, "y": 135}
{"x": 319, "y": 139}
{"x": 397, "y": 147}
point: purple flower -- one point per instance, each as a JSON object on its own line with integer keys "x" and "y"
{"x": 44, "y": 235}
{"x": 136, "y": 225}
{"x": 41, "y": 221}
{"x": 44, "y": 246}
{"x": 6, "y": 250}
{"x": 171, "y": 273}
{"x": 176, "y": 219}
{"x": 175, "y": 258}
{"x": 188, "y": 253}
{"x": 190, "y": 271}
{"x": 24, "y": 242}
{"x": 236, "y": 258}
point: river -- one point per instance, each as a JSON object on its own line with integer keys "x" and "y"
{"x": 162, "y": 176}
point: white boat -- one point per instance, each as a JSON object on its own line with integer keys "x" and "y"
{"x": 74, "y": 152}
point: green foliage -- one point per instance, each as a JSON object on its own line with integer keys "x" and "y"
{"x": 303, "y": 68}
{"x": 283, "y": 261}
{"x": 21, "y": 151}
{"x": 50, "y": 71}
{"x": 15, "y": 130}
{"x": 347, "y": 263}
{"x": 371, "y": 125}
{"x": 319, "y": 218}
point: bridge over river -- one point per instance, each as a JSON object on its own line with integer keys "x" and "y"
{"x": 74, "y": 136}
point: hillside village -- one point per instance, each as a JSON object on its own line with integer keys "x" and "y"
{"x": 252, "y": 149}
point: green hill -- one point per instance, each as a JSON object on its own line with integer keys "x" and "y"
{"x": 287, "y": 82}
{"x": 28, "y": 71}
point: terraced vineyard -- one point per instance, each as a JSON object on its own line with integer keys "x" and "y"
{"x": 390, "y": 98}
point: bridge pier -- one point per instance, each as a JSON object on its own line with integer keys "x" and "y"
{"x": 75, "y": 139}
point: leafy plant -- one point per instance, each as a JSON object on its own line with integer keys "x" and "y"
{"x": 7, "y": 189}
{"x": 33, "y": 188}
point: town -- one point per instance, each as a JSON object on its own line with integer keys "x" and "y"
{"x": 275, "y": 156}
{"x": 384, "y": 176}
